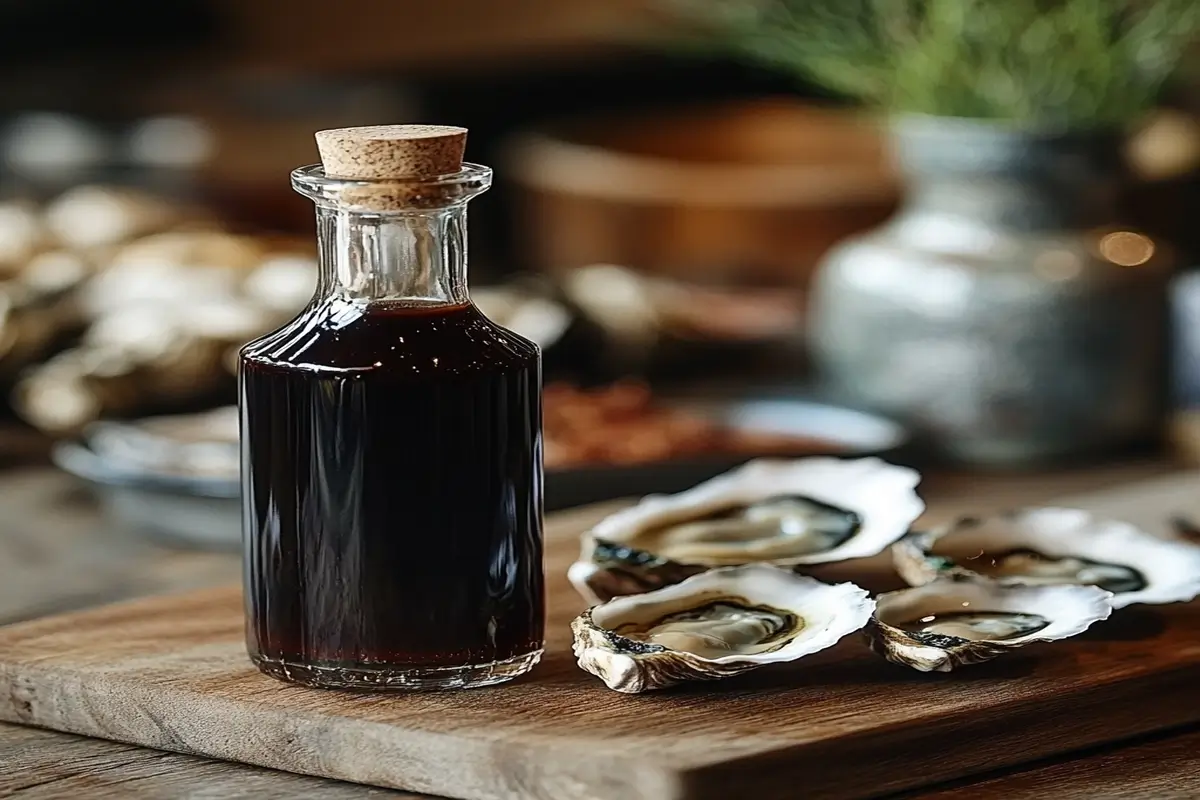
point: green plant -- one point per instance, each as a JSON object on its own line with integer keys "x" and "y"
{"x": 1044, "y": 63}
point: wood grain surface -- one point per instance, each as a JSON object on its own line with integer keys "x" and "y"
{"x": 1162, "y": 768}
{"x": 45, "y": 765}
{"x": 170, "y": 673}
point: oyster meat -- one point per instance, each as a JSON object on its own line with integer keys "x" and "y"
{"x": 1029, "y": 566}
{"x": 715, "y": 624}
{"x": 956, "y": 621}
{"x": 1049, "y": 546}
{"x": 974, "y": 625}
{"x": 721, "y": 628}
{"x": 773, "y": 528}
{"x": 780, "y": 512}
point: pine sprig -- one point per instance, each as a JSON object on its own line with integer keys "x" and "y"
{"x": 1045, "y": 63}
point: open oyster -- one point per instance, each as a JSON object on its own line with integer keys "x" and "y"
{"x": 786, "y": 513}
{"x": 953, "y": 622}
{"x": 1043, "y": 546}
{"x": 719, "y": 623}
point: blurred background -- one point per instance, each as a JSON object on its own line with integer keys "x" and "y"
{"x": 731, "y": 234}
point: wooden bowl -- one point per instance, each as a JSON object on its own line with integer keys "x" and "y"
{"x": 749, "y": 192}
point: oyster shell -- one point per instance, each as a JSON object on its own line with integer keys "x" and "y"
{"x": 781, "y": 512}
{"x": 1044, "y": 546}
{"x": 719, "y": 623}
{"x": 953, "y": 622}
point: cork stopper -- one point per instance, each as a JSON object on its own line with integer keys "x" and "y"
{"x": 392, "y": 152}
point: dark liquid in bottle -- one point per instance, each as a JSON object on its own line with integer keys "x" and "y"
{"x": 393, "y": 485}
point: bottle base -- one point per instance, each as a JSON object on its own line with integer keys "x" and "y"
{"x": 390, "y": 679}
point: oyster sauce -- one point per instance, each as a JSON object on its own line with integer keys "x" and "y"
{"x": 393, "y": 489}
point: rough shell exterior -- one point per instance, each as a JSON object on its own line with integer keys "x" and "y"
{"x": 1070, "y": 609}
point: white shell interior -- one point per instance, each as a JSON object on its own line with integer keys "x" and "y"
{"x": 1070, "y": 609}
{"x": 883, "y": 495}
{"x": 829, "y": 611}
{"x": 1171, "y": 568}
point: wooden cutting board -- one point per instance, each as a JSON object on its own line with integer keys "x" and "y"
{"x": 171, "y": 673}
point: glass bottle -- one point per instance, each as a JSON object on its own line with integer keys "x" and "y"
{"x": 391, "y": 441}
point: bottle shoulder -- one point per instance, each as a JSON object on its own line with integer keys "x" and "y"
{"x": 337, "y": 337}
{"x": 502, "y": 336}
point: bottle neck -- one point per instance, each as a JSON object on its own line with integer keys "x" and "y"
{"x": 417, "y": 257}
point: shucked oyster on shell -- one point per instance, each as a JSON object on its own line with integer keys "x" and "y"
{"x": 781, "y": 512}
{"x": 1046, "y": 546}
{"x": 957, "y": 621}
{"x": 719, "y": 623}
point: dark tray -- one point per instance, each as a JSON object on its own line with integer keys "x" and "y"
{"x": 206, "y": 511}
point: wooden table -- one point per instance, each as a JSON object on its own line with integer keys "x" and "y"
{"x": 56, "y": 553}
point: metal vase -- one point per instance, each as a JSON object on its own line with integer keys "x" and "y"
{"x": 1002, "y": 312}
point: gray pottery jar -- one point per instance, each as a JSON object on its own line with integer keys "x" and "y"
{"x": 1002, "y": 312}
